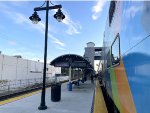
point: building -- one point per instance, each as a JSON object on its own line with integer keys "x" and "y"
{"x": 92, "y": 53}
{"x": 17, "y": 68}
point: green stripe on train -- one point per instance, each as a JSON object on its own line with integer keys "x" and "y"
{"x": 114, "y": 88}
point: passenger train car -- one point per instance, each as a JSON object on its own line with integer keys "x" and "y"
{"x": 126, "y": 64}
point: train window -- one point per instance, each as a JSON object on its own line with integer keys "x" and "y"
{"x": 111, "y": 10}
{"x": 115, "y": 51}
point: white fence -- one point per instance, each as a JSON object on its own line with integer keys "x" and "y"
{"x": 9, "y": 86}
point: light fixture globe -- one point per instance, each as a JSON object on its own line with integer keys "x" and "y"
{"x": 59, "y": 16}
{"x": 35, "y": 18}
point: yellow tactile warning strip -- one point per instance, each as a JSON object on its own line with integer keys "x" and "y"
{"x": 21, "y": 96}
{"x": 99, "y": 103}
{"x": 18, "y": 97}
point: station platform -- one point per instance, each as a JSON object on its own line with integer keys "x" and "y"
{"x": 79, "y": 100}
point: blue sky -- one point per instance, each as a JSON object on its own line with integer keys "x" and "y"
{"x": 85, "y": 21}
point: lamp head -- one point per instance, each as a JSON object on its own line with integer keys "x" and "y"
{"x": 59, "y": 15}
{"x": 35, "y": 18}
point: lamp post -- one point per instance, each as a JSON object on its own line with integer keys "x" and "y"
{"x": 35, "y": 19}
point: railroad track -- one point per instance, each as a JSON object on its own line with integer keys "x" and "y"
{"x": 25, "y": 91}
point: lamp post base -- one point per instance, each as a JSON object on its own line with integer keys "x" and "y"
{"x": 42, "y": 107}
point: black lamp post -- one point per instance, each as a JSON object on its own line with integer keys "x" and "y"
{"x": 35, "y": 19}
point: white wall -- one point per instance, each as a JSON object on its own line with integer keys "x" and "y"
{"x": 9, "y": 68}
{"x": 1, "y": 61}
{"x": 22, "y": 68}
{"x": 57, "y": 70}
{"x": 13, "y": 68}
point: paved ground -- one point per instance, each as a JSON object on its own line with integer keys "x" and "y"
{"x": 77, "y": 101}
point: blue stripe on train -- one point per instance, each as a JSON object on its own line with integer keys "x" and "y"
{"x": 137, "y": 66}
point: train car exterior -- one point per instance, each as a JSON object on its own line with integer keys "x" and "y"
{"x": 126, "y": 55}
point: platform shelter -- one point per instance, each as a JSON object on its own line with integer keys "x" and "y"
{"x": 73, "y": 61}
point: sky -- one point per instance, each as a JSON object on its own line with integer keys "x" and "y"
{"x": 85, "y": 22}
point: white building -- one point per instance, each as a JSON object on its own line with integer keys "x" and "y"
{"x": 16, "y": 68}
{"x": 93, "y": 54}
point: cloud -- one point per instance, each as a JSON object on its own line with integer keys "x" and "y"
{"x": 19, "y": 3}
{"x": 13, "y": 43}
{"x": 19, "y": 51}
{"x": 132, "y": 11}
{"x": 73, "y": 27}
{"x": 60, "y": 48}
{"x": 56, "y": 40}
{"x": 9, "y": 41}
{"x": 97, "y": 9}
{"x": 25, "y": 53}
{"x": 20, "y": 18}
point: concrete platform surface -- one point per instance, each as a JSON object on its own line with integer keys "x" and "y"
{"x": 79, "y": 100}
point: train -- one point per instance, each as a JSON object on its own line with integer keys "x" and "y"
{"x": 126, "y": 56}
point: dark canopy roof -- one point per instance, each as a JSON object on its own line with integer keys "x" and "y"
{"x": 73, "y": 60}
